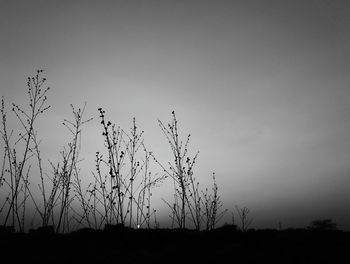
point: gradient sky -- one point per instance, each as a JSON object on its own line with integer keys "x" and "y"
{"x": 262, "y": 86}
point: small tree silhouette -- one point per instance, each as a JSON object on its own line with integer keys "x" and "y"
{"x": 323, "y": 225}
{"x": 244, "y": 218}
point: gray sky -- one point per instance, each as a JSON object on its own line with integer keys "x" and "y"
{"x": 263, "y": 87}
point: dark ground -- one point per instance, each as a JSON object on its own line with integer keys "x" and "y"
{"x": 223, "y": 245}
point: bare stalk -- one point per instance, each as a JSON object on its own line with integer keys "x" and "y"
{"x": 16, "y": 165}
{"x": 243, "y": 214}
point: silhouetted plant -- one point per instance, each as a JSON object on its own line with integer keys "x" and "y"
{"x": 212, "y": 203}
{"x": 64, "y": 174}
{"x": 121, "y": 188}
{"x": 189, "y": 201}
{"x": 84, "y": 197}
{"x": 280, "y": 228}
{"x": 68, "y": 170}
{"x": 124, "y": 190}
{"x": 194, "y": 202}
{"x": 243, "y": 214}
{"x": 181, "y": 172}
{"x": 16, "y": 165}
{"x": 143, "y": 212}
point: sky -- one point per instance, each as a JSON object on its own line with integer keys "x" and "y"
{"x": 262, "y": 86}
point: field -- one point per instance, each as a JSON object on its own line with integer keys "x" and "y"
{"x": 115, "y": 244}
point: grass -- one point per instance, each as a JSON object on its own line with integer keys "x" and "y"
{"x": 118, "y": 192}
{"x": 111, "y": 218}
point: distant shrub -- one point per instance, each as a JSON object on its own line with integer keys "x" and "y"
{"x": 323, "y": 225}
